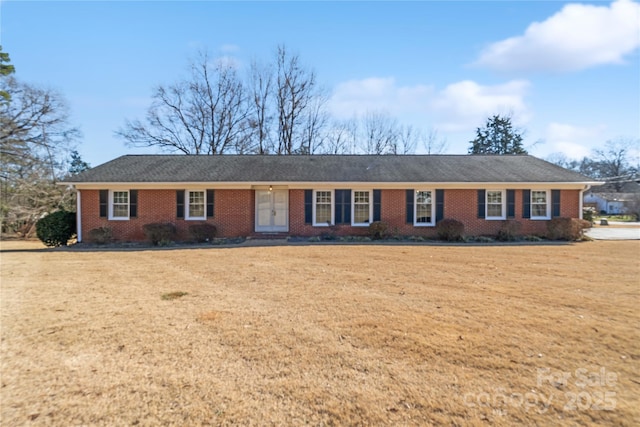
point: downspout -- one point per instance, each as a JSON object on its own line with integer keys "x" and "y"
{"x": 78, "y": 216}
{"x": 581, "y": 207}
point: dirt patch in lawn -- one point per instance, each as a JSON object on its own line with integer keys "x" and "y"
{"x": 322, "y": 335}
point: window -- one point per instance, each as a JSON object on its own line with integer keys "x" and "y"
{"x": 196, "y": 205}
{"x": 424, "y": 208}
{"x": 119, "y": 205}
{"x": 540, "y": 204}
{"x": 495, "y": 204}
{"x": 323, "y": 208}
{"x": 361, "y": 208}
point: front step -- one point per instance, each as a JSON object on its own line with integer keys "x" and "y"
{"x": 268, "y": 236}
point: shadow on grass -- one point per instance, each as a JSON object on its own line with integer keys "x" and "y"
{"x": 259, "y": 243}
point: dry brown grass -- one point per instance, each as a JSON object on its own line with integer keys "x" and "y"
{"x": 320, "y": 335}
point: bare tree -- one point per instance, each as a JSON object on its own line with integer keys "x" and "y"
{"x": 205, "y": 114}
{"x": 432, "y": 143}
{"x": 380, "y": 133}
{"x": 316, "y": 119}
{"x": 295, "y": 87}
{"x": 261, "y": 87}
{"x": 613, "y": 162}
{"x": 342, "y": 137}
{"x": 35, "y": 138}
{"x": 406, "y": 141}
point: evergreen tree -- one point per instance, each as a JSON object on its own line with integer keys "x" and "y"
{"x": 497, "y": 137}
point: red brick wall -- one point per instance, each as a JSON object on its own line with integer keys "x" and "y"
{"x": 234, "y": 214}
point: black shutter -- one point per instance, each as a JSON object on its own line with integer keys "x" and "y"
{"x": 180, "y": 203}
{"x": 343, "y": 207}
{"x": 410, "y": 206}
{"x": 439, "y": 205}
{"x": 555, "y": 203}
{"x": 211, "y": 197}
{"x": 526, "y": 203}
{"x": 308, "y": 206}
{"x": 511, "y": 203}
{"x": 481, "y": 203}
{"x": 133, "y": 203}
{"x": 376, "y": 205}
{"x": 104, "y": 203}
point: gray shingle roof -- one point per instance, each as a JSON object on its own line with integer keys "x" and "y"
{"x": 348, "y": 168}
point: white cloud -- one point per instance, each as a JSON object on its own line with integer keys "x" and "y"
{"x": 460, "y": 106}
{"x": 578, "y": 37}
{"x": 229, "y": 48}
{"x": 573, "y": 141}
{"x": 356, "y": 97}
{"x": 466, "y": 105}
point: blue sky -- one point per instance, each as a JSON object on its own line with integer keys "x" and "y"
{"x": 569, "y": 72}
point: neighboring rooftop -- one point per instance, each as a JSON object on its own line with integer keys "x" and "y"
{"x": 328, "y": 168}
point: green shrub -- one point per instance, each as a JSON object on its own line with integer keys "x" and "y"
{"x": 509, "y": 231}
{"x": 566, "y": 228}
{"x": 450, "y": 230}
{"x": 202, "y": 232}
{"x": 377, "y": 230}
{"x": 159, "y": 233}
{"x": 56, "y": 228}
{"x": 588, "y": 214}
{"x": 100, "y": 235}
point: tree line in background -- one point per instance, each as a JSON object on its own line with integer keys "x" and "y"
{"x": 36, "y": 150}
{"x": 278, "y": 107}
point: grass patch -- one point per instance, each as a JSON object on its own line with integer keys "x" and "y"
{"x": 174, "y": 295}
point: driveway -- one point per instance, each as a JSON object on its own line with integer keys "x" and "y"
{"x": 616, "y": 231}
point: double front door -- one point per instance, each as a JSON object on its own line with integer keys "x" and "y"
{"x": 272, "y": 210}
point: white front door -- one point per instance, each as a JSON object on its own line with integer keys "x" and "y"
{"x": 272, "y": 210}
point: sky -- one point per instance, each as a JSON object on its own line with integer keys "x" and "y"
{"x": 567, "y": 72}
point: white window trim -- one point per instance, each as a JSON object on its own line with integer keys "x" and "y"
{"x": 433, "y": 209}
{"x": 548, "y": 215}
{"x": 119, "y": 218}
{"x": 187, "y": 214}
{"x": 333, "y": 209}
{"x": 353, "y": 208}
{"x": 504, "y": 206}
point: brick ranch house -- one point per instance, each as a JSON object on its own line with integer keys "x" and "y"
{"x": 311, "y": 195}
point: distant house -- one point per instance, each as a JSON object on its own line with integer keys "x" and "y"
{"x": 311, "y": 195}
{"x": 610, "y": 203}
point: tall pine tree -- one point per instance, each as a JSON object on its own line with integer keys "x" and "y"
{"x": 497, "y": 137}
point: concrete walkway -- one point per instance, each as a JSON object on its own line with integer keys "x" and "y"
{"x": 619, "y": 232}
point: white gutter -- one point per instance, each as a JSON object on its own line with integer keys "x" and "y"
{"x": 78, "y": 216}
{"x": 581, "y": 201}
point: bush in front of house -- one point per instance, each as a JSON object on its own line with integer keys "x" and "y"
{"x": 56, "y": 228}
{"x": 159, "y": 233}
{"x": 566, "y": 228}
{"x": 588, "y": 214}
{"x": 100, "y": 235}
{"x": 450, "y": 230}
{"x": 509, "y": 231}
{"x": 202, "y": 232}
{"x": 377, "y": 230}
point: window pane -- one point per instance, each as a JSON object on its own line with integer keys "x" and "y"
{"x": 120, "y": 210}
{"x": 423, "y": 197}
{"x": 323, "y": 197}
{"x": 120, "y": 197}
{"x": 494, "y": 196}
{"x": 494, "y": 210}
{"x": 196, "y": 203}
{"x": 423, "y": 213}
{"x": 323, "y": 213}
{"x": 361, "y": 197}
{"x": 538, "y": 197}
{"x": 361, "y": 213}
{"x": 538, "y": 210}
